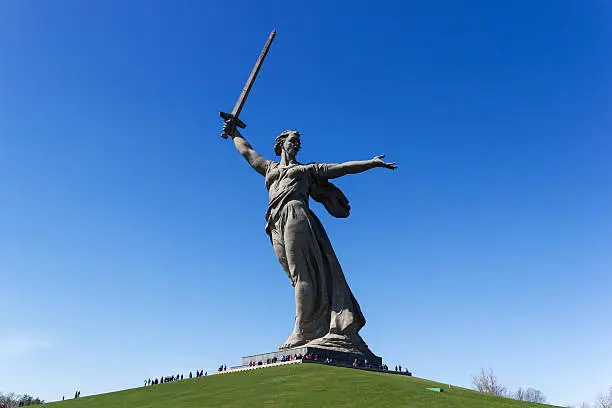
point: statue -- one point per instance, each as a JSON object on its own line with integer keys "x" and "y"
{"x": 327, "y": 314}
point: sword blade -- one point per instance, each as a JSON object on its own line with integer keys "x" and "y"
{"x": 249, "y": 83}
{"x": 247, "y": 87}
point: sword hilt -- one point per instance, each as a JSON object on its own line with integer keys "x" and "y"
{"x": 234, "y": 120}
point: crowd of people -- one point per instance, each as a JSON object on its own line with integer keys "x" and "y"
{"x": 383, "y": 367}
{"x": 284, "y": 358}
{"x": 328, "y": 360}
{"x": 171, "y": 378}
{"x": 288, "y": 357}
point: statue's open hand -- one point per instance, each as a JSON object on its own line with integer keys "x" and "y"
{"x": 380, "y": 163}
{"x": 230, "y": 129}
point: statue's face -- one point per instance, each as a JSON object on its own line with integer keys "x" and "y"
{"x": 292, "y": 144}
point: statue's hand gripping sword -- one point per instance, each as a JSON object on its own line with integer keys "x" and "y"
{"x": 247, "y": 88}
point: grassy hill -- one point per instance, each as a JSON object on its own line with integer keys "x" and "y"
{"x": 298, "y": 385}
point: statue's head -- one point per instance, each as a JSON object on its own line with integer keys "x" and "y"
{"x": 288, "y": 141}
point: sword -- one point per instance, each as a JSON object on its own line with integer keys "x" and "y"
{"x": 247, "y": 88}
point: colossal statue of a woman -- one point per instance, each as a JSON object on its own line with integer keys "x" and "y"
{"x": 327, "y": 314}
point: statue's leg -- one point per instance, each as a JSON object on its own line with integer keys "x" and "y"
{"x": 278, "y": 241}
{"x": 307, "y": 271}
{"x": 279, "y": 251}
{"x": 302, "y": 290}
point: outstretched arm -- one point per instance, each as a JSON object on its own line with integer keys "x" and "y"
{"x": 338, "y": 170}
{"x": 257, "y": 162}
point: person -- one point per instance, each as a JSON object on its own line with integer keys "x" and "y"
{"x": 327, "y": 313}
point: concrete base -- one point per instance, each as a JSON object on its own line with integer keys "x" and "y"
{"x": 338, "y": 357}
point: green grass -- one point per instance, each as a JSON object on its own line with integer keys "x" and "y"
{"x": 297, "y": 385}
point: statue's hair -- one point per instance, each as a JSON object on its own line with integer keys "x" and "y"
{"x": 280, "y": 139}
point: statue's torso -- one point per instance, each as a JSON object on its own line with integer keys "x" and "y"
{"x": 293, "y": 180}
{"x": 286, "y": 184}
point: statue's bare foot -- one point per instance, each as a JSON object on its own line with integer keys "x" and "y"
{"x": 295, "y": 340}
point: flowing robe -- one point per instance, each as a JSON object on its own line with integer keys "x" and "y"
{"x": 324, "y": 303}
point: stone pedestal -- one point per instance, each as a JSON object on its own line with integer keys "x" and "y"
{"x": 338, "y": 357}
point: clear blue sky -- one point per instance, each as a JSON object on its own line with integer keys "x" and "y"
{"x": 132, "y": 239}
